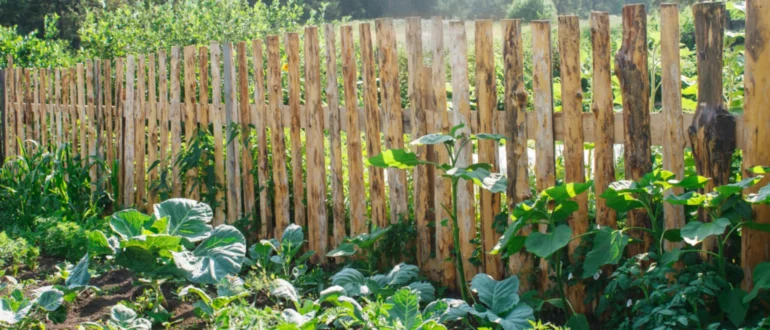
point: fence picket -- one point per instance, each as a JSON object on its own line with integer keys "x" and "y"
{"x": 152, "y": 131}
{"x": 163, "y": 112}
{"x": 245, "y": 121}
{"x": 316, "y": 187}
{"x": 280, "y": 178}
{"x": 189, "y": 115}
{"x": 91, "y": 120}
{"x": 260, "y": 123}
{"x": 119, "y": 125}
{"x": 139, "y": 118}
{"x": 216, "y": 123}
{"x": 232, "y": 168}
{"x": 203, "y": 106}
{"x": 175, "y": 118}
{"x": 295, "y": 128}
{"x": 129, "y": 131}
{"x": 335, "y": 139}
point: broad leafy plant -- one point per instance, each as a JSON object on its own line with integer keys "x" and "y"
{"x": 478, "y": 173}
{"x": 229, "y": 289}
{"x": 499, "y": 303}
{"x": 19, "y": 312}
{"x": 364, "y": 243}
{"x": 281, "y": 258}
{"x": 355, "y": 284}
{"x": 121, "y": 318}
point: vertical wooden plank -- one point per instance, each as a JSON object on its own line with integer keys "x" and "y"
{"x": 631, "y": 69}
{"x": 357, "y": 196}
{"x": 109, "y": 118}
{"x": 461, "y": 114}
{"x": 190, "y": 121}
{"x": 120, "y": 75}
{"x": 163, "y": 109}
{"x": 426, "y": 119}
{"x": 129, "y": 134}
{"x": 232, "y": 168}
{"x": 756, "y": 130}
{"x": 7, "y": 108}
{"x": 602, "y": 107}
{"x": 260, "y": 123}
{"x": 515, "y": 102}
{"x": 175, "y": 118}
{"x": 81, "y": 109}
{"x": 280, "y": 178}
{"x": 295, "y": 129}
{"x": 34, "y": 122}
{"x": 673, "y": 149}
{"x": 203, "y": 71}
{"x": 316, "y": 188}
{"x": 245, "y": 120}
{"x": 90, "y": 105}
{"x": 574, "y": 165}
{"x": 216, "y": 123}
{"x": 44, "y": 107}
{"x": 545, "y": 168}
{"x": 335, "y": 139}
{"x": 139, "y": 119}
{"x": 373, "y": 138}
{"x": 443, "y": 195}
{"x": 422, "y": 190}
{"x": 391, "y": 106}
{"x": 99, "y": 119}
{"x": 57, "y": 108}
{"x": 21, "y": 109}
{"x": 486, "y": 108}
{"x": 152, "y": 129}
{"x": 73, "y": 111}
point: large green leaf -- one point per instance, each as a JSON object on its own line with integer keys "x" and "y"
{"x": 79, "y": 276}
{"x": 406, "y": 308}
{"x": 567, "y": 191}
{"x": 219, "y": 255}
{"x": 690, "y": 182}
{"x": 517, "y": 319}
{"x": 487, "y": 136}
{"x": 499, "y": 296}
{"x": 397, "y": 158}
{"x": 695, "y": 231}
{"x": 607, "y": 250}
{"x": 732, "y": 303}
{"x": 426, "y": 290}
{"x": 155, "y": 244}
{"x": 186, "y": 218}
{"x": 126, "y": 318}
{"x": 691, "y": 198}
{"x": 509, "y": 242}
{"x": 578, "y": 322}
{"x": 480, "y": 175}
{"x": 283, "y": 289}
{"x": 49, "y": 298}
{"x": 761, "y": 277}
{"x": 99, "y": 244}
{"x": 344, "y": 250}
{"x": 446, "y": 310}
{"x": 734, "y": 188}
{"x": 352, "y": 281}
{"x": 400, "y": 275}
{"x": 544, "y": 245}
{"x": 11, "y": 312}
{"x": 292, "y": 239}
{"x": 670, "y": 257}
{"x": 623, "y": 202}
{"x": 128, "y": 223}
{"x": 761, "y": 197}
{"x": 432, "y": 139}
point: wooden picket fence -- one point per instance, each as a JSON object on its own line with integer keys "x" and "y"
{"x": 140, "y": 109}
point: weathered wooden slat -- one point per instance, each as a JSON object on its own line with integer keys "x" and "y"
{"x": 203, "y": 107}
{"x": 120, "y": 75}
{"x": 427, "y": 107}
{"x": 245, "y": 121}
{"x": 152, "y": 130}
{"x": 216, "y": 123}
{"x": 81, "y": 111}
{"x": 190, "y": 120}
{"x": 44, "y": 108}
{"x": 335, "y": 138}
{"x": 8, "y": 109}
{"x": 175, "y": 118}
{"x": 22, "y": 93}
{"x": 232, "y": 168}
{"x": 357, "y": 196}
{"x": 673, "y": 149}
{"x": 129, "y": 133}
{"x": 57, "y": 108}
{"x": 387, "y": 56}
{"x": 631, "y": 69}
{"x": 73, "y": 110}
{"x": 280, "y": 178}
{"x": 756, "y": 244}
{"x": 260, "y": 123}
{"x": 90, "y": 105}
{"x": 316, "y": 164}
{"x": 140, "y": 137}
{"x": 515, "y": 102}
{"x": 461, "y": 114}
{"x": 34, "y": 122}
{"x": 295, "y": 128}
{"x": 109, "y": 126}
{"x": 163, "y": 110}
{"x": 26, "y": 123}
{"x": 373, "y": 136}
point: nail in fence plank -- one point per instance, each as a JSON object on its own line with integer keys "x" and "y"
{"x": 373, "y": 137}
{"x": 280, "y": 178}
{"x": 357, "y": 196}
{"x": 190, "y": 121}
{"x": 443, "y": 195}
{"x": 756, "y": 130}
{"x": 129, "y": 135}
{"x": 163, "y": 110}
{"x": 673, "y": 149}
{"x": 232, "y": 169}
{"x": 152, "y": 131}
{"x": 245, "y": 120}
{"x": 139, "y": 118}
{"x": 260, "y": 123}
{"x": 316, "y": 189}
{"x": 545, "y": 168}
{"x": 515, "y": 102}
{"x": 391, "y": 106}
{"x": 216, "y": 123}
{"x": 203, "y": 106}
{"x": 90, "y": 102}
{"x": 295, "y": 128}
{"x": 466, "y": 216}
{"x": 175, "y": 117}
{"x": 486, "y": 108}
{"x": 335, "y": 140}
{"x": 631, "y": 69}
{"x": 421, "y": 184}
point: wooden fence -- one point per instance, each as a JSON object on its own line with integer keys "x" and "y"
{"x": 141, "y": 109}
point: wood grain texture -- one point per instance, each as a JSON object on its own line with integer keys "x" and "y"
{"x": 152, "y": 129}
{"x": 461, "y": 114}
{"x": 316, "y": 164}
{"x": 373, "y": 136}
{"x": 109, "y": 117}
{"x": 602, "y": 108}
{"x": 189, "y": 115}
{"x": 58, "y": 109}
{"x": 335, "y": 138}
{"x": 232, "y": 168}
{"x": 673, "y": 149}
{"x": 280, "y": 177}
{"x": 247, "y": 163}
{"x": 129, "y": 133}
{"x": 486, "y": 106}
{"x": 120, "y": 92}
{"x": 631, "y": 69}
{"x": 204, "y": 106}
{"x": 81, "y": 111}
{"x": 387, "y": 58}
{"x": 175, "y": 118}
{"x": 260, "y": 123}
{"x": 163, "y": 110}
{"x": 90, "y": 107}
{"x": 756, "y": 244}
{"x": 295, "y": 128}
{"x": 515, "y": 102}
{"x": 357, "y": 195}
{"x": 216, "y": 123}
{"x": 140, "y": 135}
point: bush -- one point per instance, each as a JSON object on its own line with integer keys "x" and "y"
{"x": 530, "y": 10}
{"x": 17, "y": 252}
{"x": 64, "y": 239}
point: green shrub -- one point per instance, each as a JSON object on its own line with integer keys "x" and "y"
{"x": 17, "y": 252}
{"x": 530, "y": 10}
{"x": 59, "y": 238}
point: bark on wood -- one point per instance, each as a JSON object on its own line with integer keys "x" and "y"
{"x": 260, "y": 123}
{"x": 335, "y": 139}
{"x": 295, "y": 130}
{"x": 247, "y": 207}
{"x": 190, "y": 121}
{"x": 152, "y": 132}
{"x": 316, "y": 190}
{"x": 139, "y": 142}
{"x": 175, "y": 118}
{"x": 128, "y": 156}
{"x": 216, "y": 123}
{"x": 280, "y": 178}
{"x": 232, "y": 168}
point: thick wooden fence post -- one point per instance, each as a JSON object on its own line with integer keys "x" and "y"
{"x": 756, "y": 130}
{"x": 712, "y": 132}
{"x": 152, "y": 130}
{"x": 673, "y": 149}
{"x": 631, "y": 69}
{"x": 316, "y": 188}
